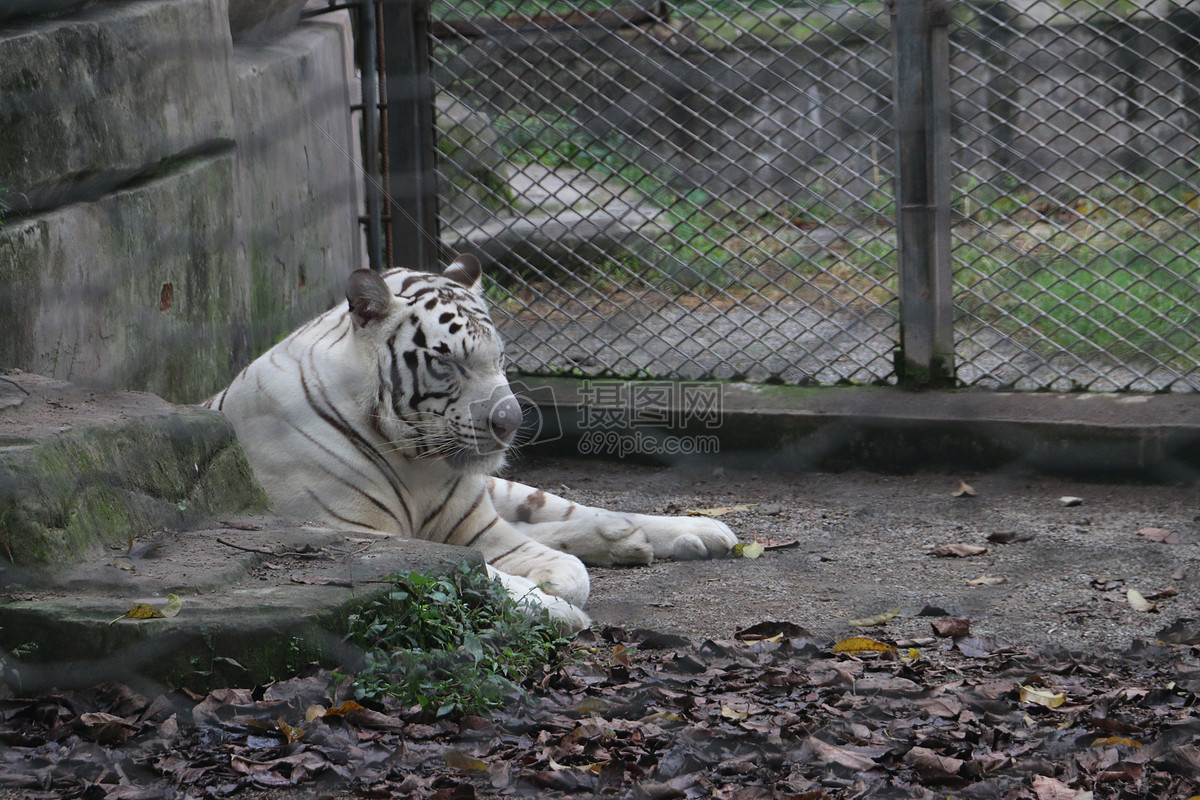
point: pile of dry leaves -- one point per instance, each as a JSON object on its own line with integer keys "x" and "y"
{"x": 643, "y": 715}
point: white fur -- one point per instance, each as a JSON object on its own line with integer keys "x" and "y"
{"x": 386, "y": 415}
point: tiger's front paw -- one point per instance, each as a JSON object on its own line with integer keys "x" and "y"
{"x": 561, "y": 575}
{"x": 689, "y": 538}
{"x": 533, "y": 601}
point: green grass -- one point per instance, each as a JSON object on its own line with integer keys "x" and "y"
{"x": 1127, "y": 298}
{"x": 559, "y": 143}
{"x": 457, "y": 643}
{"x": 1122, "y": 292}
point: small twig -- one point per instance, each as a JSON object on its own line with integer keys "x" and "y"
{"x": 247, "y": 549}
{"x": 19, "y": 386}
{"x": 323, "y": 581}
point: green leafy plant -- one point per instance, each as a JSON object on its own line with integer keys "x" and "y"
{"x": 10, "y": 672}
{"x": 456, "y": 643}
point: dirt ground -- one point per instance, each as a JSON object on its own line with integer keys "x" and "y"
{"x": 840, "y": 546}
{"x": 864, "y": 545}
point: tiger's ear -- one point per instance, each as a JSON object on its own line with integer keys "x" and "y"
{"x": 369, "y": 297}
{"x": 467, "y": 271}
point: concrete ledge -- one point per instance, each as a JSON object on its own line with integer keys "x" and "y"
{"x": 1154, "y": 437}
{"x": 248, "y": 615}
{"x": 80, "y": 471}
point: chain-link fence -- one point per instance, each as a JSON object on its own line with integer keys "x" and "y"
{"x": 707, "y": 189}
{"x": 1078, "y": 245}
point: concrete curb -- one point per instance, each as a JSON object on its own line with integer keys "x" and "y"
{"x": 1148, "y": 437}
{"x": 249, "y": 615}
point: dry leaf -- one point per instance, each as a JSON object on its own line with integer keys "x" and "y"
{"x": 292, "y": 733}
{"x": 593, "y": 705}
{"x": 719, "y": 512}
{"x": 730, "y": 713}
{"x": 105, "y": 728}
{"x": 557, "y": 767}
{"x": 1047, "y": 788}
{"x": 620, "y": 655}
{"x": 748, "y": 550}
{"x": 369, "y": 718}
{"x": 141, "y": 611}
{"x": 771, "y": 544}
{"x": 345, "y": 708}
{"x": 958, "y": 550}
{"x": 861, "y": 644}
{"x": 933, "y": 766}
{"x": 982, "y": 646}
{"x": 1159, "y": 535}
{"x": 457, "y": 760}
{"x": 1115, "y": 741}
{"x": 1042, "y": 698}
{"x": 830, "y": 753}
{"x": 772, "y": 631}
{"x": 964, "y": 489}
{"x": 986, "y": 580}
{"x": 173, "y": 607}
{"x": 952, "y": 626}
{"x": 878, "y": 619}
{"x": 1137, "y": 602}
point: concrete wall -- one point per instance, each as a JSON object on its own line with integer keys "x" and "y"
{"x": 179, "y": 192}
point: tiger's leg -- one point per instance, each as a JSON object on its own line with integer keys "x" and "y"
{"x": 533, "y": 599}
{"x": 601, "y": 537}
{"x": 532, "y": 572}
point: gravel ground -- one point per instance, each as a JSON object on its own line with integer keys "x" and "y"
{"x": 863, "y": 547}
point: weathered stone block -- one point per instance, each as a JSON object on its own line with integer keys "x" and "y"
{"x": 93, "y": 100}
{"x": 297, "y": 174}
{"x": 140, "y": 289}
{"x": 262, "y": 20}
{"x": 261, "y": 629}
{"x": 81, "y": 470}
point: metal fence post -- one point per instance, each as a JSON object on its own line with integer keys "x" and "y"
{"x": 409, "y": 112}
{"x": 922, "y": 101}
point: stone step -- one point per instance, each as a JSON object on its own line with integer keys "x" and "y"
{"x": 108, "y": 499}
{"x": 261, "y": 597}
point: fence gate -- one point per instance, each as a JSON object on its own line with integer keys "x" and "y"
{"x": 709, "y": 189}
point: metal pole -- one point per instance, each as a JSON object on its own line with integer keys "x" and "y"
{"x": 370, "y": 123}
{"x": 408, "y": 86}
{"x": 922, "y": 98}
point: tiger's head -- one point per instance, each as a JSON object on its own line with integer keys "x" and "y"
{"x": 441, "y": 389}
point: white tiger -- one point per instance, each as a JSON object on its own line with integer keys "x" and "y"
{"x": 387, "y": 415}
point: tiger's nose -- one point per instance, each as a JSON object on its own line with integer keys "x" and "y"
{"x": 505, "y": 419}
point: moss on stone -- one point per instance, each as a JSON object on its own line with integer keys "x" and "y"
{"x": 83, "y": 490}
